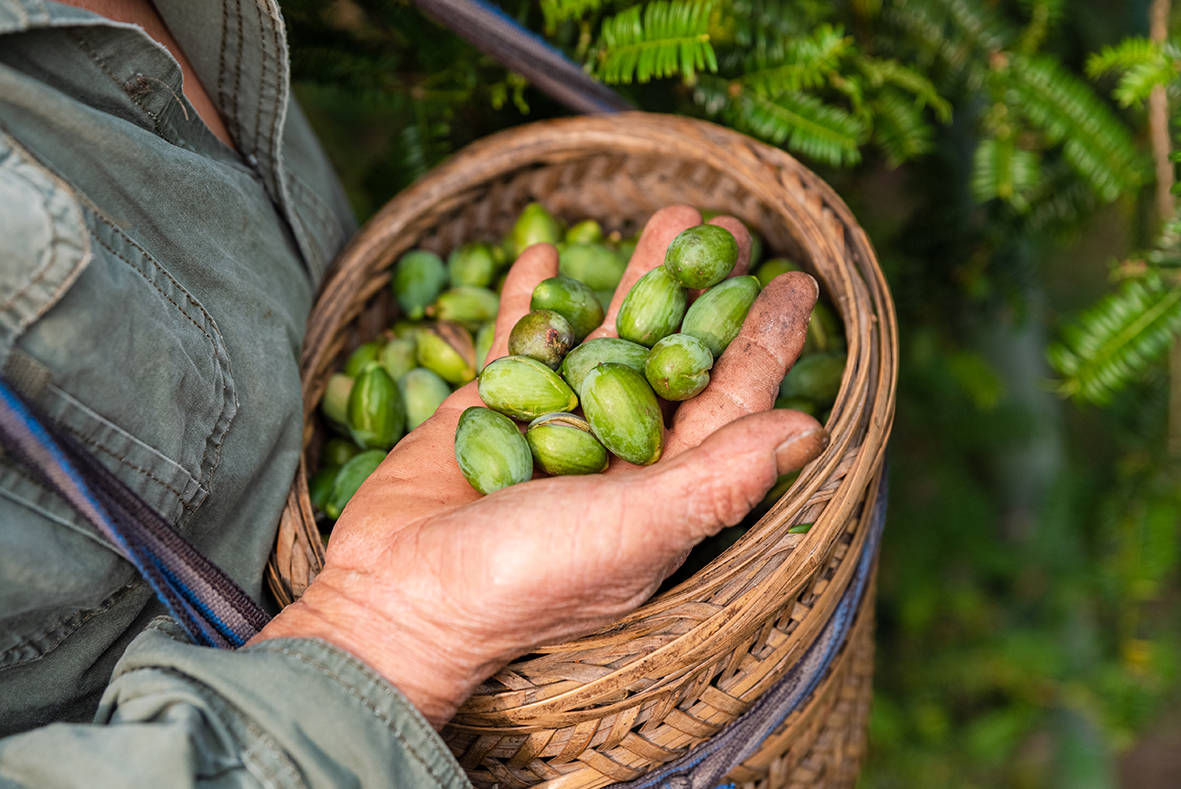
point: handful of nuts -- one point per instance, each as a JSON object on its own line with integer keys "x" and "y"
{"x": 580, "y": 400}
{"x": 665, "y": 350}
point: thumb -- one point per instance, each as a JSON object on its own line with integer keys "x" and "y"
{"x": 716, "y": 483}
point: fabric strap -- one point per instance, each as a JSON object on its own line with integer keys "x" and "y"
{"x": 204, "y": 600}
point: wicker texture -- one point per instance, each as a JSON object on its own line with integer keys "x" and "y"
{"x": 616, "y": 703}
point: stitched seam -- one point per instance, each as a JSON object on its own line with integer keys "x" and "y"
{"x": 356, "y": 693}
{"x": 44, "y": 271}
{"x": 238, "y": 68}
{"x": 93, "y": 55}
{"x": 159, "y": 290}
{"x": 221, "y": 61}
{"x": 262, "y": 77}
{"x": 124, "y": 461}
{"x": 273, "y": 136}
{"x": 68, "y": 624}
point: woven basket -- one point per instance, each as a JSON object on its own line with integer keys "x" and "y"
{"x": 619, "y": 702}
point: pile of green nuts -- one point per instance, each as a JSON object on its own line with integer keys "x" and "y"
{"x": 582, "y": 401}
{"x": 665, "y": 349}
{"x": 392, "y": 384}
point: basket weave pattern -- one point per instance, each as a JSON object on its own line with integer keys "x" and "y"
{"x": 616, "y": 703}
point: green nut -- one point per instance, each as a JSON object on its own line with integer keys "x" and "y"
{"x": 349, "y": 478}
{"x": 592, "y": 353}
{"x": 816, "y": 377}
{"x": 335, "y": 402}
{"x": 360, "y": 358}
{"x": 824, "y": 331}
{"x": 399, "y": 357}
{"x": 376, "y": 413}
{"x": 627, "y": 247}
{"x": 535, "y": 225}
{"x": 524, "y": 388}
{"x": 543, "y": 335}
{"x": 701, "y": 256}
{"x": 596, "y": 265}
{"x": 417, "y": 281}
{"x": 571, "y": 299}
{"x": 604, "y": 298}
{"x": 623, "y": 413}
{"x": 423, "y": 391}
{"x": 678, "y": 367}
{"x": 773, "y": 268}
{"x": 562, "y": 443}
{"x": 652, "y": 309}
{"x": 484, "y": 339}
{"x": 447, "y": 349}
{"x": 320, "y": 486}
{"x": 490, "y": 450}
{"x": 472, "y": 264}
{"x": 717, "y": 315}
{"x": 337, "y": 452}
{"x": 588, "y": 231}
{"x": 756, "y": 248}
{"x": 466, "y": 304}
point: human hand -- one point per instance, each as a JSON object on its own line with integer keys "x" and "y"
{"x": 436, "y": 587}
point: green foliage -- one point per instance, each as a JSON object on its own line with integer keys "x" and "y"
{"x": 672, "y": 38}
{"x": 1002, "y": 171}
{"x": 1117, "y": 340}
{"x": 1144, "y": 65}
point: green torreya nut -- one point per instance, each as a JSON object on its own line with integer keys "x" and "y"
{"x": 376, "y": 413}
{"x": 320, "y": 486}
{"x": 360, "y": 358}
{"x": 796, "y": 404}
{"x": 524, "y": 388}
{"x": 398, "y": 357}
{"x": 423, "y": 391}
{"x": 335, "y": 402}
{"x": 816, "y": 377}
{"x": 701, "y": 256}
{"x": 678, "y": 367}
{"x": 418, "y": 279}
{"x": 592, "y": 353}
{"x": 623, "y": 413}
{"x": 773, "y": 268}
{"x": 571, "y": 299}
{"x": 447, "y": 349}
{"x": 596, "y": 265}
{"x": 337, "y": 452}
{"x": 824, "y": 331}
{"x": 756, "y": 248}
{"x": 543, "y": 335}
{"x": 484, "y": 339}
{"x": 466, "y": 304}
{"x": 349, "y": 478}
{"x": 604, "y": 298}
{"x": 472, "y": 264}
{"x": 535, "y": 225}
{"x": 562, "y": 443}
{"x": 652, "y": 309}
{"x": 627, "y": 247}
{"x": 490, "y": 450}
{"x": 588, "y": 231}
{"x": 717, "y": 315}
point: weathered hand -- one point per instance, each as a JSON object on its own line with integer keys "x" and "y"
{"x": 437, "y": 587}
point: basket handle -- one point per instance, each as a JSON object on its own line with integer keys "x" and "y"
{"x": 500, "y": 37}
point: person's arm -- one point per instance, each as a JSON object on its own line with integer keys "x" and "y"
{"x": 287, "y": 712}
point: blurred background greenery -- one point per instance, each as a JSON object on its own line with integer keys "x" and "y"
{"x": 1005, "y": 158}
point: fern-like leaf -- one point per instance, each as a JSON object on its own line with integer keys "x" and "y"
{"x": 556, "y": 11}
{"x": 957, "y": 35}
{"x": 1118, "y": 339}
{"x": 900, "y": 129}
{"x": 1042, "y": 16}
{"x": 891, "y": 72}
{"x": 800, "y": 122}
{"x": 1002, "y": 171}
{"x": 1126, "y": 54}
{"x": 806, "y": 62}
{"x": 1095, "y": 143}
{"x": 672, "y": 37}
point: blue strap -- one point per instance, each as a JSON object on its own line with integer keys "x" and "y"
{"x": 707, "y": 764}
{"x": 211, "y": 608}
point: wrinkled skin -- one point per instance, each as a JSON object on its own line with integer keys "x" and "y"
{"x": 436, "y": 587}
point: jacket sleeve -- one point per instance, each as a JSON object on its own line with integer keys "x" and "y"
{"x": 285, "y": 712}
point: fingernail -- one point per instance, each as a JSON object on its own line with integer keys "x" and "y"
{"x": 799, "y": 449}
